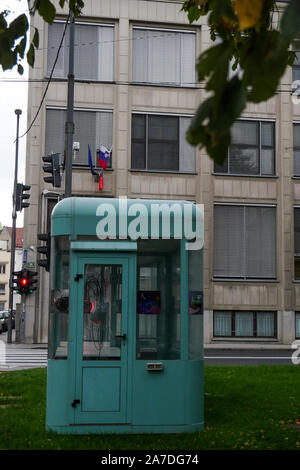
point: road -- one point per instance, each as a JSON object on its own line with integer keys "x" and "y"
{"x": 20, "y": 356}
{"x": 242, "y": 357}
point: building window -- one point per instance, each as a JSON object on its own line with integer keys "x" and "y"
{"x": 2, "y": 306}
{"x": 93, "y": 128}
{"x": 297, "y": 241}
{"x": 164, "y": 57}
{"x": 93, "y": 52}
{"x": 297, "y": 318}
{"x": 296, "y": 145}
{"x": 2, "y": 268}
{"x": 158, "y": 143}
{"x": 252, "y": 150}
{"x": 238, "y": 324}
{"x": 244, "y": 242}
{"x": 2, "y": 289}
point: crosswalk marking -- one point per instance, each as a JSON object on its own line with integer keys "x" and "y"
{"x": 22, "y": 358}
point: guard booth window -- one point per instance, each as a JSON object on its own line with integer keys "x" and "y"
{"x": 59, "y": 298}
{"x": 158, "y": 299}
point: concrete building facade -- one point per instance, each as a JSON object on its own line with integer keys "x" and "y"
{"x": 135, "y": 92}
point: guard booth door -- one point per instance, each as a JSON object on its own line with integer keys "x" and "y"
{"x": 101, "y": 352}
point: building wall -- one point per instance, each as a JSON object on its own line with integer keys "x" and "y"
{"x": 123, "y": 97}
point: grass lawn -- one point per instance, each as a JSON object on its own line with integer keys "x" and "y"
{"x": 245, "y": 408}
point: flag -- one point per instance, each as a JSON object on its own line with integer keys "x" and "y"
{"x": 104, "y": 155}
{"x": 91, "y": 161}
{"x": 101, "y": 181}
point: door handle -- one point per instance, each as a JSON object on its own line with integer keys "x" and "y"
{"x": 121, "y": 336}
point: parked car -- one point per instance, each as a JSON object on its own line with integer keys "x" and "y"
{"x": 4, "y": 315}
{"x": 1, "y": 329}
{"x": 3, "y": 322}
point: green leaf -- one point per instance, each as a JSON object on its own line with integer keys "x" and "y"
{"x": 30, "y": 55}
{"x": 290, "y": 21}
{"x": 264, "y": 59}
{"x": 36, "y": 39}
{"x": 20, "y": 69}
{"x": 47, "y": 11}
{"x": 18, "y": 27}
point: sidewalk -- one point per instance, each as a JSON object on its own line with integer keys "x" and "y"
{"x": 13, "y": 345}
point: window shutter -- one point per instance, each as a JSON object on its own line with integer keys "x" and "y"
{"x": 296, "y": 141}
{"x": 140, "y": 56}
{"x": 85, "y": 133}
{"x": 86, "y": 52}
{"x": 186, "y": 151}
{"x": 229, "y": 244}
{"x": 260, "y": 242}
{"x": 55, "y": 131}
{"x": 55, "y": 32}
{"x": 106, "y": 53}
{"x": 188, "y": 59}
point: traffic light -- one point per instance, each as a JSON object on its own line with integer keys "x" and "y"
{"x": 45, "y": 250}
{"x": 52, "y": 166}
{"x": 20, "y": 195}
{"x": 32, "y": 280}
{"x": 16, "y": 281}
{"x": 24, "y": 282}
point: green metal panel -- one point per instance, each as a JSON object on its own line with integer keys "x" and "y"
{"x": 102, "y": 245}
{"x": 81, "y": 216}
{"x": 57, "y": 393}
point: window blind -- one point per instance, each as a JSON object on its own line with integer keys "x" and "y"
{"x": 244, "y": 241}
{"x": 93, "y": 53}
{"x": 92, "y": 128}
{"x": 164, "y": 57}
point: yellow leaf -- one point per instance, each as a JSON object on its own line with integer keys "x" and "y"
{"x": 248, "y": 12}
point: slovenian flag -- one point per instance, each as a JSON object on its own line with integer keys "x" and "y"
{"x": 91, "y": 161}
{"x": 104, "y": 155}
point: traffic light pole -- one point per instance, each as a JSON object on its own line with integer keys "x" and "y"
{"x": 18, "y": 112}
{"x": 70, "y": 113}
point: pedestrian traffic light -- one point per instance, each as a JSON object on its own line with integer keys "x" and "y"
{"x": 45, "y": 250}
{"x": 52, "y": 165}
{"x": 20, "y": 195}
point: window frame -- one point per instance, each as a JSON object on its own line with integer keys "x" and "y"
{"x": 146, "y": 144}
{"x": 245, "y": 278}
{"x": 297, "y": 314}
{"x": 179, "y": 31}
{"x": 3, "y": 288}
{"x": 92, "y": 110}
{"x": 82, "y": 23}
{"x": 255, "y": 313}
{"x": 259, "y": 146}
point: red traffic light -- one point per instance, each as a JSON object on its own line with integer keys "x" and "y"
{"x": 24, "y": 281}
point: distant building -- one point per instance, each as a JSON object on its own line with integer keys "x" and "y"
{"x": 5, "y": 254}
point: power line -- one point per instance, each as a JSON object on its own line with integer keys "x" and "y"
{"x": 50, "y": 78}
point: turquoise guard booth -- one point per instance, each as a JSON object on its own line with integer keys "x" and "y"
{"x": 125, "y": 317}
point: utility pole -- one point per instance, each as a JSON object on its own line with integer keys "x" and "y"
{"x": 18, "y": 112}
{"x": 70, "y": 113}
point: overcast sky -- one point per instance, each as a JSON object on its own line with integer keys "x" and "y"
{"x": 13, "y": 96}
